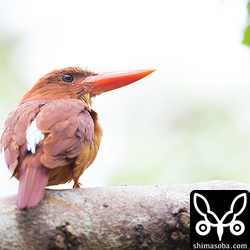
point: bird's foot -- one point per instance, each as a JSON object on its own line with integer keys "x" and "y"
{"x": 77, "y": 184}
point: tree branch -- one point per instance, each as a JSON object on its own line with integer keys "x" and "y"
{"x": 123, "y": 217}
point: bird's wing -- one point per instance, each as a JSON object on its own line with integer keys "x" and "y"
{"x": 69, "y": 128}
{"x": 40, "y": 136}
{"x": 13, "y": 140}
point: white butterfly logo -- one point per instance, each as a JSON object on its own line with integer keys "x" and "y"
{"x": 236, "y": 227}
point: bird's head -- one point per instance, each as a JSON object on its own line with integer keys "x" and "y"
{"x": 77, "y": 83}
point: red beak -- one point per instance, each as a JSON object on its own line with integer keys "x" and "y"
{"x": 104, "y": 82}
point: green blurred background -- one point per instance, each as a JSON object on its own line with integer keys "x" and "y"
{"x": 187, "y": 122}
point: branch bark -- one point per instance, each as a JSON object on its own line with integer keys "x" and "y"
{"x": 122, "y": 217}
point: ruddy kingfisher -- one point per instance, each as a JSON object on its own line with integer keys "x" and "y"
{"x": 54, "y": 135}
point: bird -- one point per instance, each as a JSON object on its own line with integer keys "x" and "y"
{"x": 54, "y": 135}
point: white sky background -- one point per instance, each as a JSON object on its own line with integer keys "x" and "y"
{"x": 194, "y": 44}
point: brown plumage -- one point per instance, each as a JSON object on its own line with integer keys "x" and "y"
{"x": 54, "y": 135}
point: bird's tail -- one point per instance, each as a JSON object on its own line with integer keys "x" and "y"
{"x": 33, "y": 178}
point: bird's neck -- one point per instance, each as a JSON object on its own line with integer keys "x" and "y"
{"x": 51, "y": 93}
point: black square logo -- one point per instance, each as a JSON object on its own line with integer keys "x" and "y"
{"x": 219, "y": 219}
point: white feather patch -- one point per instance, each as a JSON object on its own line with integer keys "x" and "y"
{"x": 33, "y": 137}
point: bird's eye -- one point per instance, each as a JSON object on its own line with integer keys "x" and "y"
{"x": 68, "y": 78}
